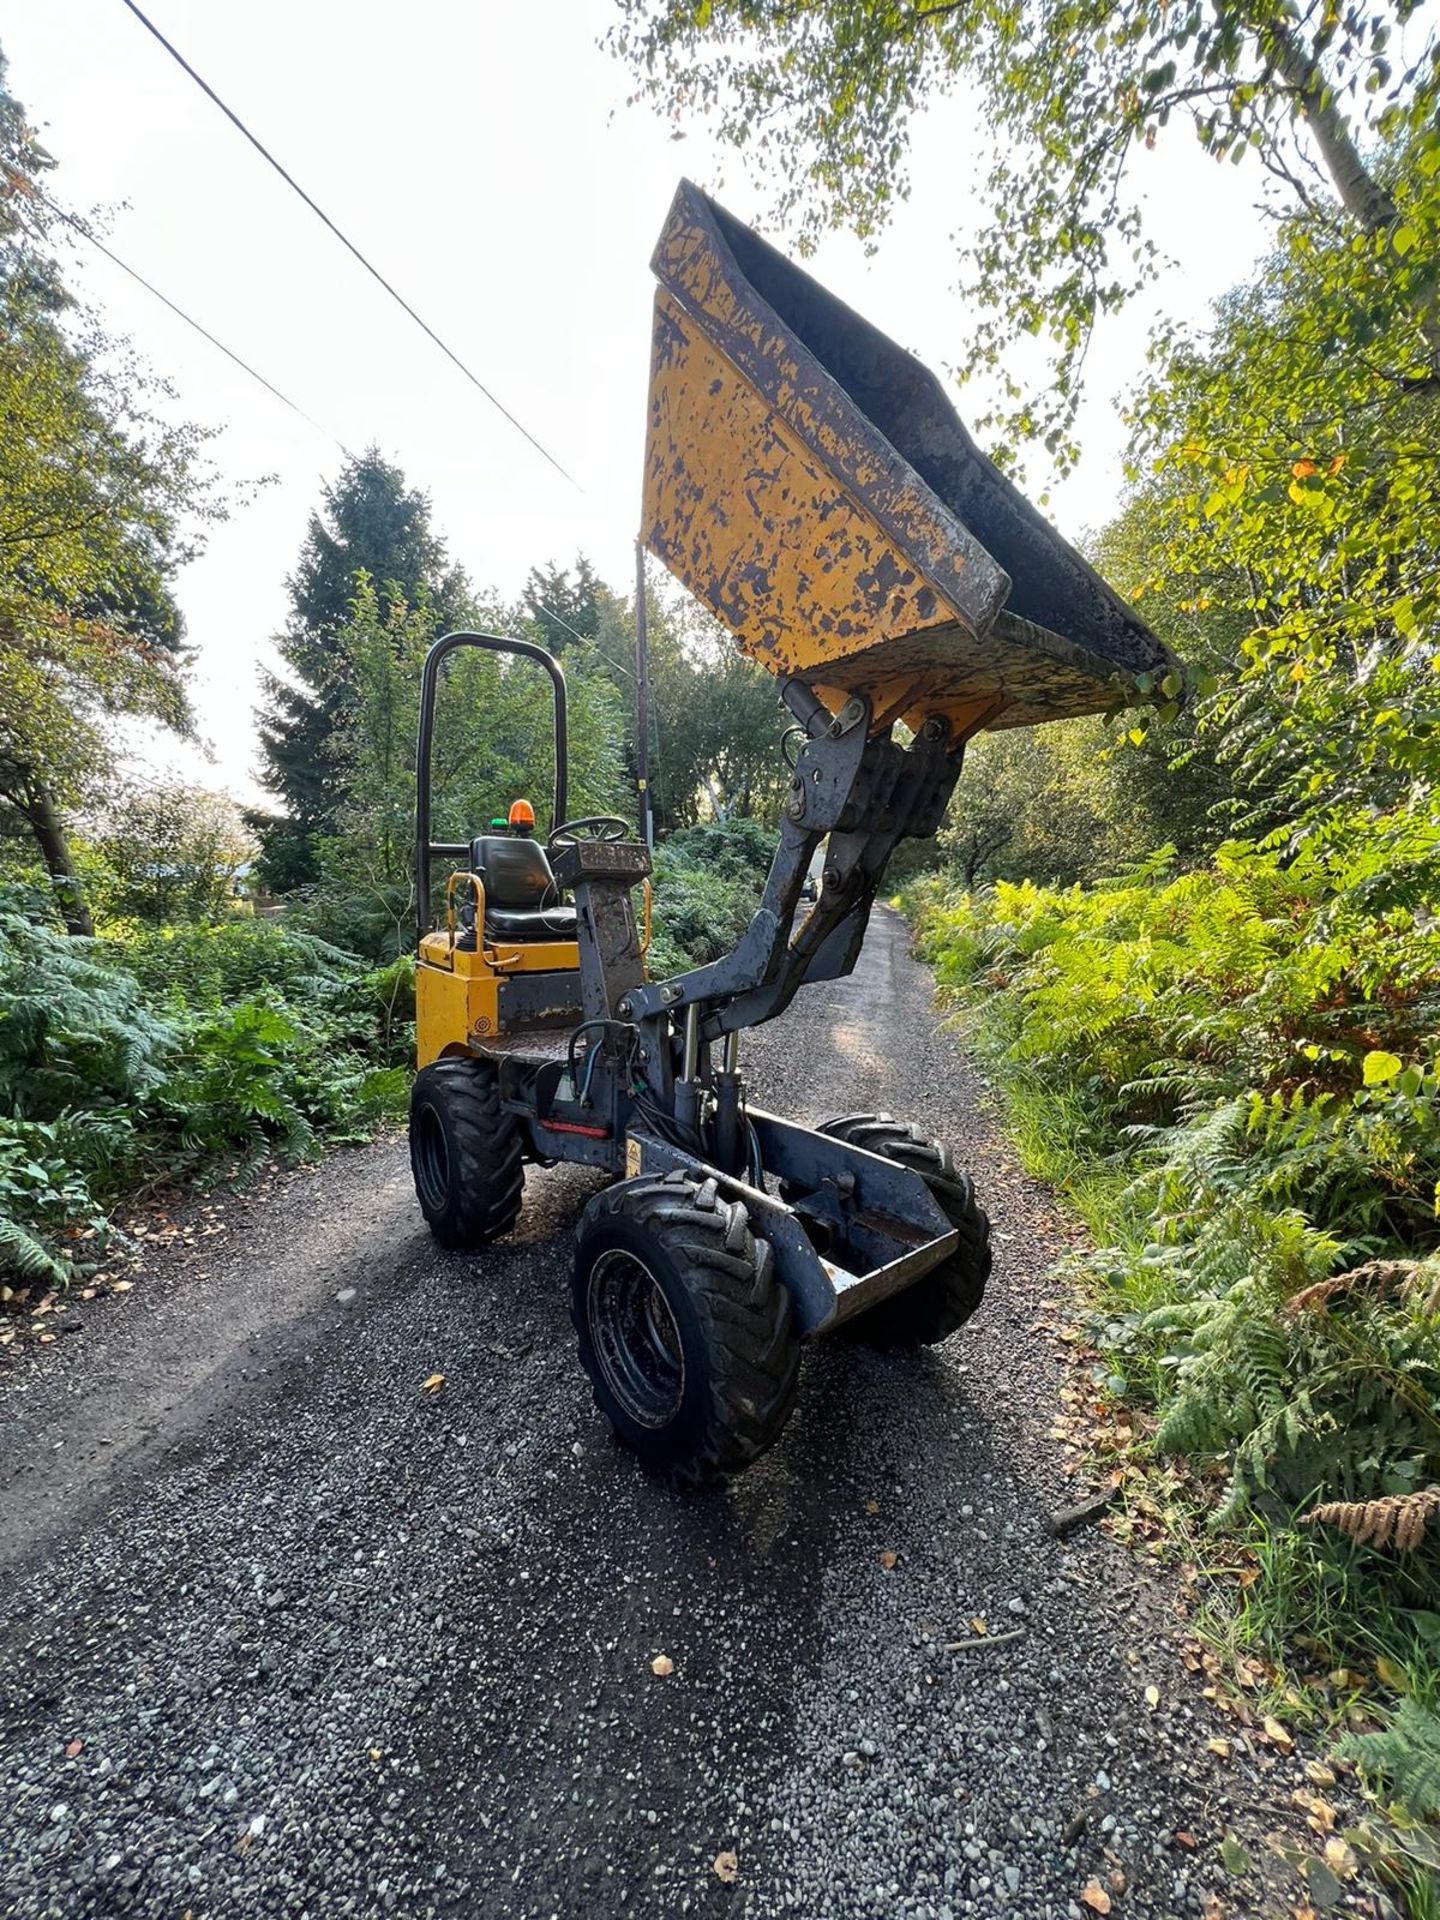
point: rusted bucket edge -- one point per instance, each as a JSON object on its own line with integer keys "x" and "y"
{"x": 836, "y": 432}
{"x": 840, "y": 436}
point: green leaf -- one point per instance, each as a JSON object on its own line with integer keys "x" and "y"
{"x": 1233, "y": 1856}
{"x": 1380, "y": 1067}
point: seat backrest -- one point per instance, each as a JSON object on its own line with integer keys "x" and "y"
{"x": 516, "y": 871}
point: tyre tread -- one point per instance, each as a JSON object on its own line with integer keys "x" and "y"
{"x": 746, "y": 1314}
{"x": 489, "y": 1174}
{"x": 944, "y": 1299}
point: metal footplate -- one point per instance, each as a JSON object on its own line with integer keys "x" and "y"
{"x": 854, "y": 1228}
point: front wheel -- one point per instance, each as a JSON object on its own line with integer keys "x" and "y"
{"x": 465, "y": 1154}
{"x": 687, "y": 1335}
{"x": 944, "y": 1298}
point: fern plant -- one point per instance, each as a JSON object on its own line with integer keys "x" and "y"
{"x": 125, "y": 1060}
{"x": 1404, "y": 1757}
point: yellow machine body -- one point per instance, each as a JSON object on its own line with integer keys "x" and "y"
{"x": 457, "y": 994}
{"x": 457, "y": 990}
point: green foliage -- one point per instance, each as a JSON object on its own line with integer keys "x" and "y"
{"x": 1405, "y": 1756}
{"x": 1237, "y": 1070}
{"x": 494, "y": 742}
{"x": 1047, "y": 803}
{"x": 1283, "y": 528}
{"x": 561, "y": 610}
{"x": 166, "y": 852}
{"x": 99, "y": 499}
{"x": 130, "y": 1060}
{"x": 716, "y": 717}
{"x": 371, "y": 525}
{"x": 708, "y": 882}
{"x": 822, "y": 95}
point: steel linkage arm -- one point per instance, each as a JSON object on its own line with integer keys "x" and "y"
{"x": 867, "y": 794}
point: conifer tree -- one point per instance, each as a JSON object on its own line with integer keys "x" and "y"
{"x": 370, "y": 522}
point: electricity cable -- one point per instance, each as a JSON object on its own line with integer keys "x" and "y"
{"x": 345, "y": 241}
{"x": 87, "y": 233}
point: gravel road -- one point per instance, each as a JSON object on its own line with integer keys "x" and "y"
{"x": 285, "y": 1634}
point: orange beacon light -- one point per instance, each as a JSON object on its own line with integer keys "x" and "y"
{"x": 522, "y": 816}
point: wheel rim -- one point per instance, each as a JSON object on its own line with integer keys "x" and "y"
{"x": 635, "y": 1338}
{"x": 432, "y": 1159}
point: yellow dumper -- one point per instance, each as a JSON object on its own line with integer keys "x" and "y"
{"x": 810, "y": 483}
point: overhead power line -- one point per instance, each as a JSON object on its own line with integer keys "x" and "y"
{"x": 87, "y": 233}
{"x": 344, "y": 240}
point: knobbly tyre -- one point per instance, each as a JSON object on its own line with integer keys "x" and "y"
{"x": 812, "y": 485}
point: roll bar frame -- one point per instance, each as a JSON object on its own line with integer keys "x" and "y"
{"x": 426, "y": 849}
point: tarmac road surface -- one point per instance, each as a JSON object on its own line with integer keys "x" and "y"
{"x": 285, "y": 1634}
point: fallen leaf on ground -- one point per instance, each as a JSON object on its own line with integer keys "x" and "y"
{"x": 1185, "y": 1839}
{"x": 977, "y": 1624}
{"x": 889, "y": 1559}
{"x": 1278, "y": 1735}
{"x": 1220, "y": 1747}
{"x": 374, "y": 1753}
{"x": 726, "y": 1866}
{"x": 1320, "y": 1814}
{"x": 1318, "y": 1774}
{"x": 75, "y": 1747}
{"x": 1152, "y": 1697}
{"x": 1391, "y": 1673}
{"x": 1233, "y": 1856}
{"x": 1340, "y": 1858}
{"x": 433, "y": 1384}
{"x": 1324, "y": 1887}
{"x": 1095, "y": 1897}
{"x": 872, "y": 1506}
{"x": 662, "y": 1664}
{"x": 121, "y": 1286}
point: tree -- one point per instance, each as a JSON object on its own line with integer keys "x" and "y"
{"x": 1044, "y": 804}
{"x": 170, "y": 852}
{"x": 96, "y": 492}
{"x": 1291, "y": 503}
{"x": 560, "y": 609}
{"x": 1074, "y": 94}
{"x": 370, "y": 522}
{"x": 716, "y": 716}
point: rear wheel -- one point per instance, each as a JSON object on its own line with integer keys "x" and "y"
{"x": 465, "y": 1154}
{"x": 947, "y": 1296}
{"x": 688, "y": 1337}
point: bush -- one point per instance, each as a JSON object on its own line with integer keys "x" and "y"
{"x": 124, "y": 1061}
{"x": 1236, "y": 1073}
{"x": 708, "y": 882}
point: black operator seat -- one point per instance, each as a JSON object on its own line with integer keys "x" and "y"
{"x": 522, "y": 900}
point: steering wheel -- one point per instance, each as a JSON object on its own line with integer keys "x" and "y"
{"x": 590, "y": 826}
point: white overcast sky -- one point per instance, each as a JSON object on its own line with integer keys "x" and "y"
{"x": 483, "y": 156}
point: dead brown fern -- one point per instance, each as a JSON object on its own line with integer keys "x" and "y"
{"x": 1378, "y": 1278}
{"x": 1399, "y": 1520}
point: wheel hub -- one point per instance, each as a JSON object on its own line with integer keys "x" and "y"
{"x": 635, "y": 1337}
